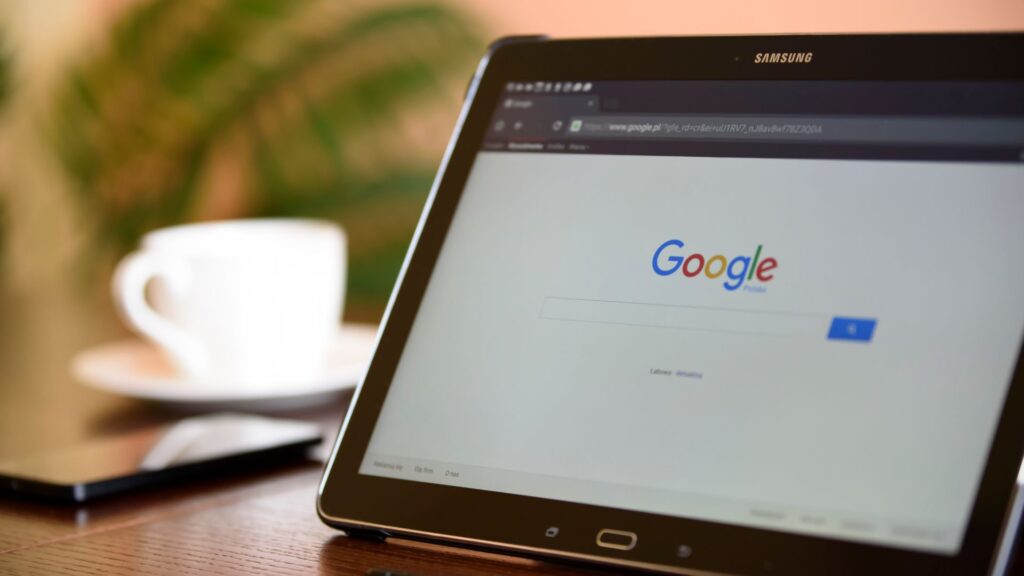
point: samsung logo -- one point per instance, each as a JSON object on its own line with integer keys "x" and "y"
{"x": 783, "y": 57}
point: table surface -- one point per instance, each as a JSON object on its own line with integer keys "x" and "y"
{"x": 251, "y": 522}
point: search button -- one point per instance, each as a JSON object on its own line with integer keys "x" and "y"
{"x": 852, "y": 329}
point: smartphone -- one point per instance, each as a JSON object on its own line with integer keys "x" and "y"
{"x": 190, "y": 447}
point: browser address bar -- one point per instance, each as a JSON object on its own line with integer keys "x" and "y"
{"x": 864, "y": 129}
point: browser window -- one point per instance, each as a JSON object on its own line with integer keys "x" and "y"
{"x": 793, "y": 306}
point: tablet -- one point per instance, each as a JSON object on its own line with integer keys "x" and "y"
{"x": 737, "y": 305}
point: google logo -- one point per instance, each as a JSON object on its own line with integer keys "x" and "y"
{"x": 738, "y": 270}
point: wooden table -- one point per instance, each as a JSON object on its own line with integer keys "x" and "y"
{"x": 257, "y": 522}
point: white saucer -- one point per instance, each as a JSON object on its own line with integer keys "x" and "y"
{"x": 136, "y": 368}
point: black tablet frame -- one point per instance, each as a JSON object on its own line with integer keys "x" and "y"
{"x": 516, "y": 524}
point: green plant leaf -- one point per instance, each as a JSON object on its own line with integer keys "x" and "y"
{"x": 4, "y": 73}
{"x": 292, "y": 90}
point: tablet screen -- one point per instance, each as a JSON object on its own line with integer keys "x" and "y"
{"x": 784, "y": 305}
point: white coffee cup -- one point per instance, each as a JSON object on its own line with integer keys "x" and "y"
{"x": 250, "y": 303}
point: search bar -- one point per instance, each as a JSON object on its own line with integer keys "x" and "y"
{"x": 697, "y": 318}
{"x": 861, "y": 129}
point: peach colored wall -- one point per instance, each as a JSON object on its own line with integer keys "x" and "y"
{"x": 668, "y": 17}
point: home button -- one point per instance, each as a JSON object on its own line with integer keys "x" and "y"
{"x": 616, "y": 539}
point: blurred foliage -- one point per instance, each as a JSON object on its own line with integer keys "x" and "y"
{"x": 4, "y": 67}
{"x": 4, "y": 89}
{"x": 273, "y": 108}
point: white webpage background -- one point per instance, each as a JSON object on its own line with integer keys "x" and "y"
{"x": 895, "y": 430}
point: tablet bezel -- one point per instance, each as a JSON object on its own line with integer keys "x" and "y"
{"x": 515, "y": 523}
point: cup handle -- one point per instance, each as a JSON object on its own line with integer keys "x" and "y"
{"x": 133, "y": 274}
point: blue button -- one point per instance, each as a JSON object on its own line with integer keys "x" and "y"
{"x": 854, "y": 329}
